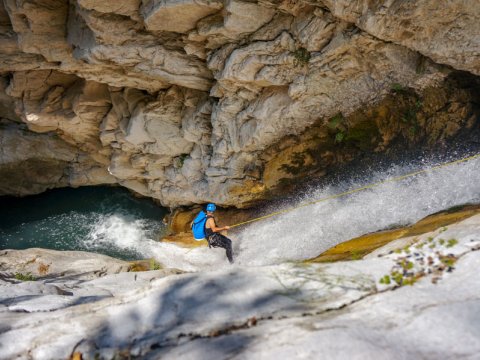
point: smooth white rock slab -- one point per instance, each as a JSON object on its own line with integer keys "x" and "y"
{"x": 302, "y": 311}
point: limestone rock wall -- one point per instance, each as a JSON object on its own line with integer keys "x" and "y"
{"x": 189, "y": 101}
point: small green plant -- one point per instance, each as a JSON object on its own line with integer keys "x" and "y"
{"x": 430, "y": 239}
{"x": 409, "y": 116}
{"x": 451, "y": 243}
{"x": 444, "y": 229}
{"x": 335, "y": 121}
{"x": 385, "y": 280}
{"x": 448, "y": 260}
{"x": 25, "y": 277}
{"x": 441, "y": 241}
{"x": 398, "y": 88}
{"x": 406, "y": 265}
{"x": 409, "y": 280}
{"x": 154, "y": 265}
{"x": 339, "y": 137}
{"x": 397, "y": 277}
{"x": 181, "y": 159}
{"x": 302, "y": 56}
{"x": 432, "y": 245}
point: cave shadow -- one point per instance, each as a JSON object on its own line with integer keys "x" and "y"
{"x": 178, "y": 314}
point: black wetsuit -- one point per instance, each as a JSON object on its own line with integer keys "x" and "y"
{"x": 216, "y": 239}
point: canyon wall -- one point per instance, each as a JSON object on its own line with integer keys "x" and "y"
{"x": 189, "y": 101}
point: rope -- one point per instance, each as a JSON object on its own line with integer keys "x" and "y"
{"x": 394, "y": 179}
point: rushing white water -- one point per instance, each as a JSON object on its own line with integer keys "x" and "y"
{"x": 308, "y": 231}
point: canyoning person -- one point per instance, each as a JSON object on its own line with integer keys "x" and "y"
{"x": 205, "y": 227}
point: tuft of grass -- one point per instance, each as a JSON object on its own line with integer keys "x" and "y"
{"x": 181, "y": 160}
{"x": 448, "y": 260}
{"x": 452, "y": 242}
{"x": 441, "y": 241}
{"x": 419, "y": 245}
{"x": 25, "y": 277}
{"x": 302, "y": 56}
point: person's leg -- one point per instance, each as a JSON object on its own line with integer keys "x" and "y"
{"x": 227, "y": 245}
{"x": 219, "y": 240}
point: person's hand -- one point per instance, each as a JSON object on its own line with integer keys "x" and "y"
{"x": 227, "y": 227}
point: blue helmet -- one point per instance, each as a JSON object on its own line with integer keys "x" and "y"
{"x": 211, "y": 207}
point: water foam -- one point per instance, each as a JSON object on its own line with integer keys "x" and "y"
{"x": 308, "y": 231}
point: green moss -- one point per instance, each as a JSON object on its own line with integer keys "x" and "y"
{"x": 356, "y": 255}
{"x": 25, "y": 277}
{"x": 154, "y": 265}
{"x": 363, "y": 135}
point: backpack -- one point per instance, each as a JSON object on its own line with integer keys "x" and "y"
{"x": 198, "y": 226}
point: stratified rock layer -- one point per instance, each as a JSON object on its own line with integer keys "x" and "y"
{"x": 189, "y": 101}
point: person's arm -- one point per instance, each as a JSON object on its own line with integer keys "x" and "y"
{"x": 211, "y": 225}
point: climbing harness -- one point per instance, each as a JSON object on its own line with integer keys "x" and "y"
{"x": 393, "y": 179}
